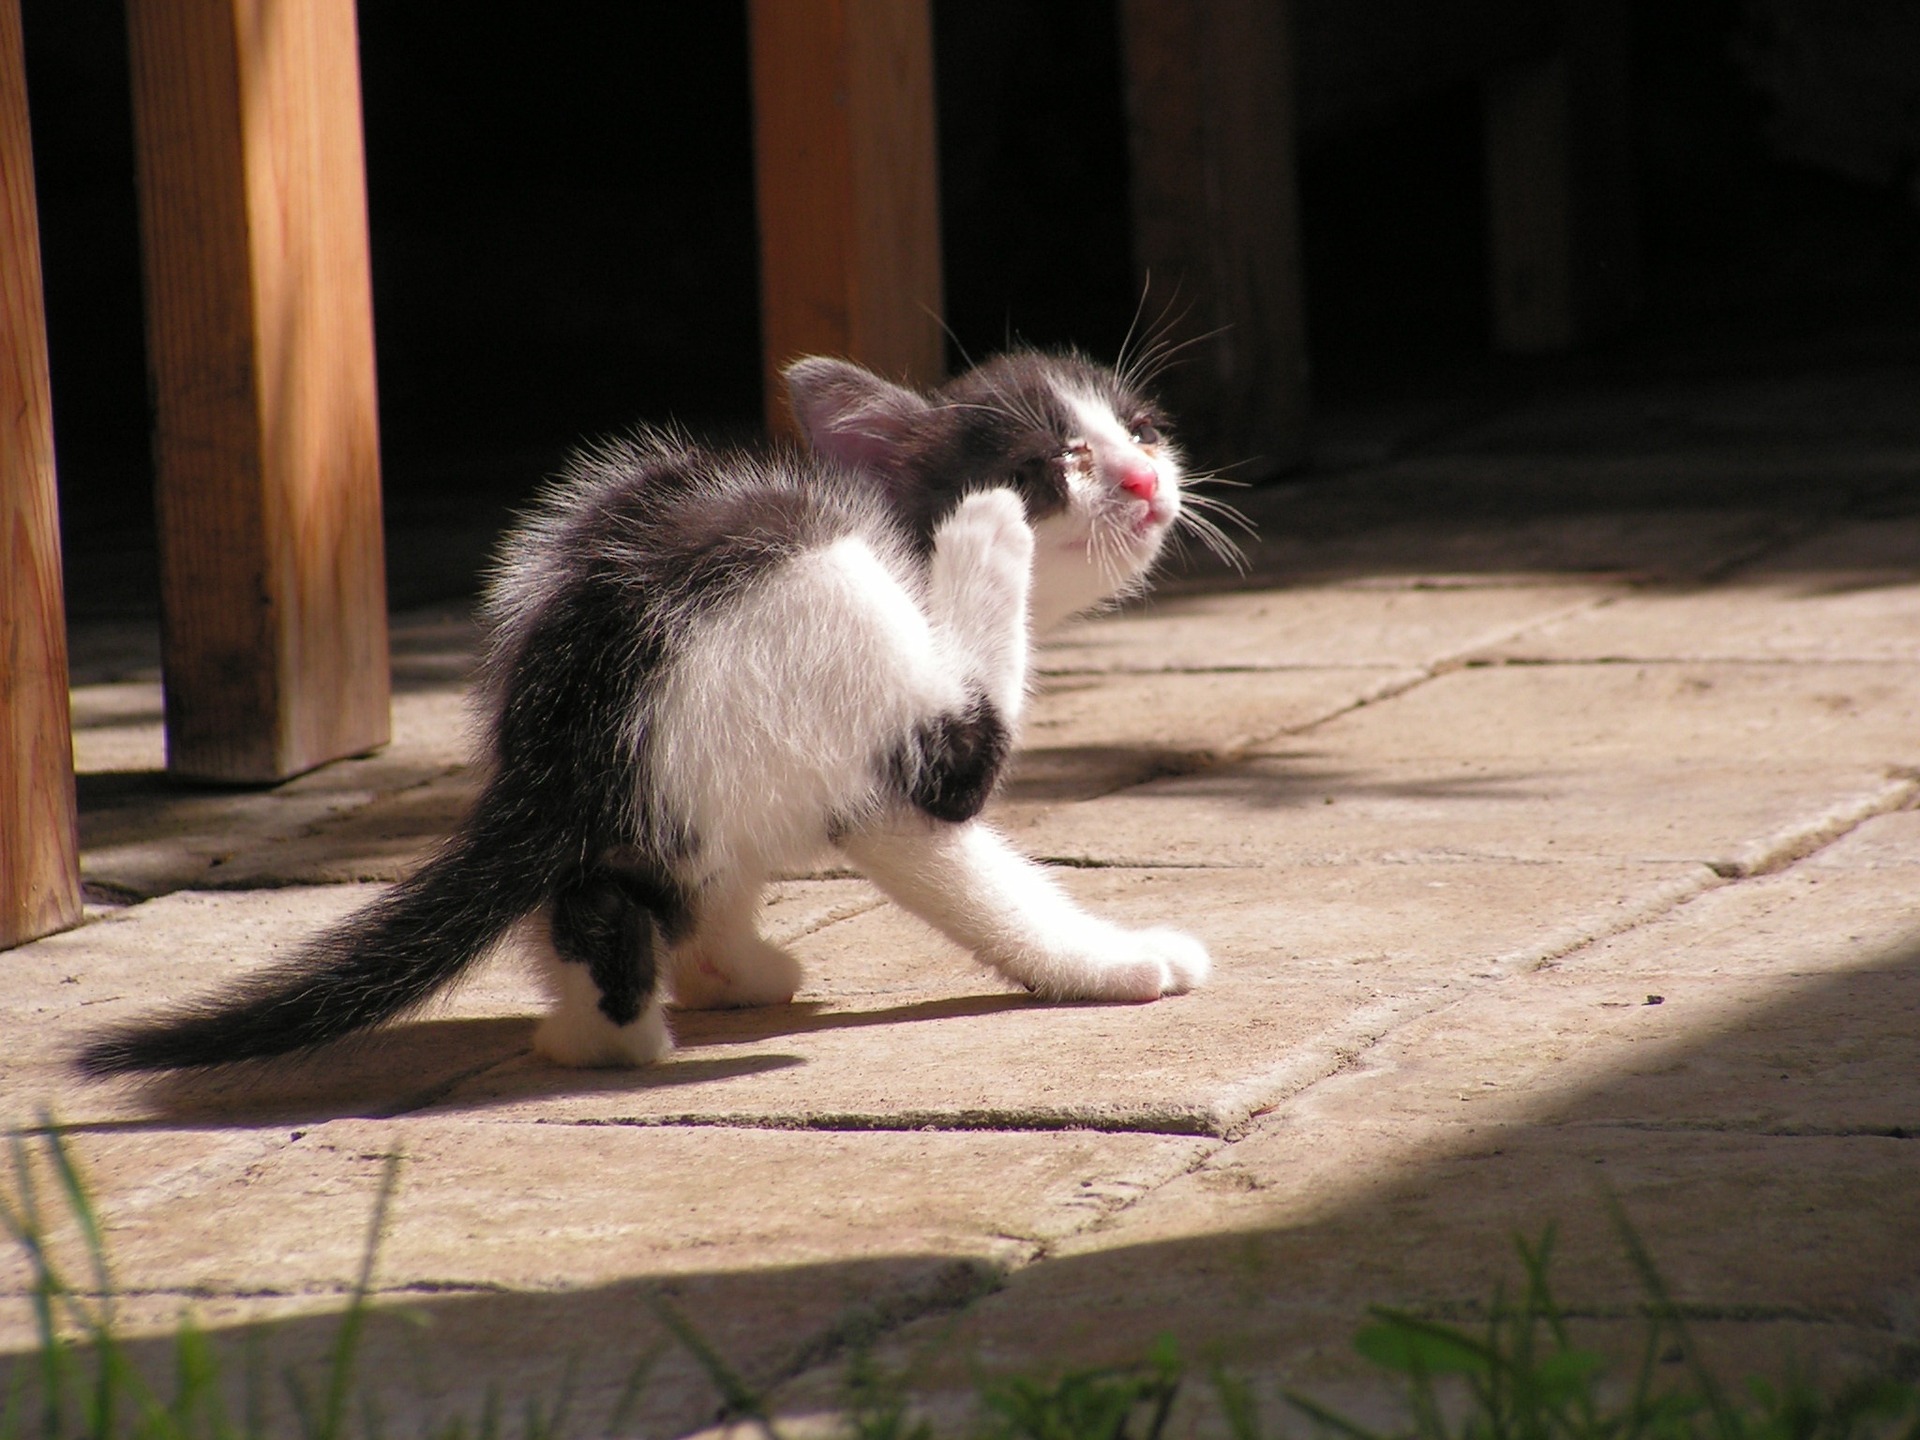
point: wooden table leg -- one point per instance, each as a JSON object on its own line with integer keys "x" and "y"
{"x": 1211, "y": 111}
{"x": 39, "y": 862}
{"x": 848, "y": 187}
{"x": 260, "y": 342}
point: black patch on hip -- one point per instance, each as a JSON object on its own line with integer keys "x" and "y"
{"x": 951, "y": 764}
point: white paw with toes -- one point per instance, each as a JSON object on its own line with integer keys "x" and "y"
{"x": 985, "y": 541}
{"x": 749, "y": 971}
{"x": 1123, "y": 965}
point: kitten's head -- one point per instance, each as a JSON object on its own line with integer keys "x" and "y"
{"x": 1087, "y": 452}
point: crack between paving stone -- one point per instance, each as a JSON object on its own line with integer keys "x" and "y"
{"x": 1732, "y": 1127}
{"x": 437, "y": 1091}
{"x": 1798, "y": 842}
{"x": 952, "y": 1288}
{"x": 957, "y": 1287}
{"x": 1549, "y": 662}
{"x": 1199, "y": 1123}
{"x": 1743, "y": 1313}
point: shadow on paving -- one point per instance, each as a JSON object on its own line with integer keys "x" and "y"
{"x": 354, "y": 1078}
{"x": 1771, "y": 1167}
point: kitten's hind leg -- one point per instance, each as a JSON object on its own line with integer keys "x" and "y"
{"x": 725, "y": 962}
{"x": 966, "y": 882}
{"x": 600, "y": 960}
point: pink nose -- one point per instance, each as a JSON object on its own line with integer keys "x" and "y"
{"x": 1140, "y": 480}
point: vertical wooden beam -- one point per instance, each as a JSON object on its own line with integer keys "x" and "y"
{"x": 848, "y": 187}
{"x": 260, "y": 341}
{"x": 1211, "y": 110}
{"x": 39, "y": 859}
{"x": 1560, "y": 212}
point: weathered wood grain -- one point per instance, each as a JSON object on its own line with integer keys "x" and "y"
{"x": 39, "y": 864}
{"x": 848, "y": 187}
{"x": 260, "y": 342}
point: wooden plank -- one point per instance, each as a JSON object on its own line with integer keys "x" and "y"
{"x": 39, "y": 859}
{"x": 847, "y": 181}
{"x": 1210, "y": 100}
{"x": 260, "y": 341}
{"x": 1560, "y": 215}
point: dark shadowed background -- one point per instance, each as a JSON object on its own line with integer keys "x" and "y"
{"x": 562, "y": 229}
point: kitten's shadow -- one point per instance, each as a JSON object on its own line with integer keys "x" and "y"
{"x": 425, "y": 1063}
{"x": 694, "y": 1028}
{"x": 408, "y": 1068}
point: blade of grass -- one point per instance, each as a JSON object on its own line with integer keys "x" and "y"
{"x": 346, "y": 1342}
{"x": 636, "y": 1382}
{"x": 1329, "y": 1419}
{"x": 1663, "y": 1305}
{"x": 736, "y": 1395}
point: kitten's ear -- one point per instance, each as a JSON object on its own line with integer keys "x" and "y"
{"x": 852, "y": 415}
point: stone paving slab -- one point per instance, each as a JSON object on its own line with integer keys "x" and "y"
{"x": 144, "y": 834}
{"x": 546, "y": 1206}
{"x": 1091, "y": 734}
{"x": 1310, "y": 809}
{"x": 1280, "y": 1274}
{"x": 1732, "y": 766}
{"x": 1402, "y": 1179}
{"x": 1379, "y": 625}
{"x": 1466, "y": 518}
{"x": 895, "y": 1028}
{"x": 772, "y": 1240}
{"x": 1845, "y": 592}
{"x": 1631, "y": 714}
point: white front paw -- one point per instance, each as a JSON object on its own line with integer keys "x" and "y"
{"x": 1184, "y": 961}
{"x": 1119, "y": 965}
{"x": 983, "y": 551}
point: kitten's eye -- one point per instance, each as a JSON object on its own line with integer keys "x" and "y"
{"x": 1145, "y": 432}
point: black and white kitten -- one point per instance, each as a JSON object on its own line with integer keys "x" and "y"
{"x": 707, "y": 667}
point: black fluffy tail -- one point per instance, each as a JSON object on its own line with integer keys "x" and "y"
{"x": 375, "y": 965}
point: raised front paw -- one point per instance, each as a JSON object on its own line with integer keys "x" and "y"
{"x": 977, "y": 587}
{"x": 982, "y": 556}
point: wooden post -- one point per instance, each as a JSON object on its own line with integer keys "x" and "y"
{"x": 260, "y": 342}
{"x": 848, "y": 187}
{"x": 1560, "y": 215}
{"x": 1211, "y": 109}
{"x": 39, "y": 858}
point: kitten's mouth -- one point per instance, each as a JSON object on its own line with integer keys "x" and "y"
{"x": 1152, "y": 517}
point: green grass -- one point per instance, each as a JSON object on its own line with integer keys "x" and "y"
{"x": 1519, "y": 1376}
